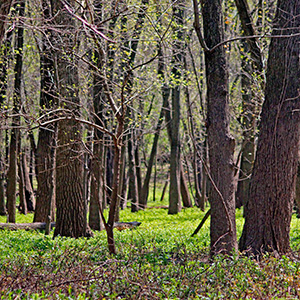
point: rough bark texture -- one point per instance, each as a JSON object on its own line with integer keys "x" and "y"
{"x": 46, "y": 140}
{"x": 220, "y": 143}
{"x": 71, "y": 210}
{"x": 272, "y": 191}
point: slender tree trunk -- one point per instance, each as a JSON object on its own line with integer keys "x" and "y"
{"x": 47, "y": 134}
{"x": 249, "y": 108}
{"x": 22, "y": 198}
{"x": 249, "y": 125}
{"x": 272, "y": 191}
{"x": 15, "y": 133}
{"x": 97, "y": 169}
{"x": 174, "y": 191}
{"x": 29, "y": 194}
{"x": 132, "y": 185}
{"x": 145, "y": 188}
{"x": 5, "y": 51}
{"x": 221, "y": 144}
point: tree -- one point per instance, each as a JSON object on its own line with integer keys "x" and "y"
{"x": 272, "y": 190}
{"x": 97, "y": 161}
{"x": 249, "y": 69}
{"x": 174, "y": 134}
{"x": 221, "y": 144}
{"x": 47, "y": 135}
{"x": 71, "y": 206}
{"x": 14, "y": 147}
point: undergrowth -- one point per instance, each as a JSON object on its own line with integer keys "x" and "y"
{"x": 158, "y": 260}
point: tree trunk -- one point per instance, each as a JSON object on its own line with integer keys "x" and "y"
{"x": 249, "y": 30}
{"x": 47, "y": 134}
{"x": 5, "y": 53}
{"x": 22, "y": 198}
{"x": 185, "y": 195}
{"x": 29, "y": 194}
{"x": 132, "y": 185}
{"x": 249, "y": 126}
{"x": 15, "y": 133}
{"x": 145, "y": 189}
{"x": 221, "y": 144}
{"x": 272, "y": 191}
{"x": 97, "y": 161}
{"x": 70, "y": 201}
{"x": 174, "y": 191}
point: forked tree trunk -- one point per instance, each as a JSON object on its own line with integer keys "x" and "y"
{"x": 272, "y": 191}
{"x": 221, "y": 144}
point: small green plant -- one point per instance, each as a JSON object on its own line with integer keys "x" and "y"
{"x": 158, "y": 260}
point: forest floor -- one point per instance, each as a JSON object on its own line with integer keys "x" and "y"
{"x": 157, "y": 260}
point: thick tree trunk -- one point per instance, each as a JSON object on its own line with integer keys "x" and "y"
{"x": 272, "y": 191}
{"x": 70, "y": 201}
{"x": 221, "y": 144}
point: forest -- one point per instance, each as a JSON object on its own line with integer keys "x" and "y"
{"x": 149, "y": 149}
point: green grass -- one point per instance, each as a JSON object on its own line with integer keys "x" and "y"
{"x": 158, "y": 260}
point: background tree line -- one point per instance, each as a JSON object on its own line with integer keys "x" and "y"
{"x": 101, "y": 100}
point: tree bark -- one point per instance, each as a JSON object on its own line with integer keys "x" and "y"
{"x": 221, "y": 144}
{"x": 71, "y": 210}
{"x": 272, "y": 191}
